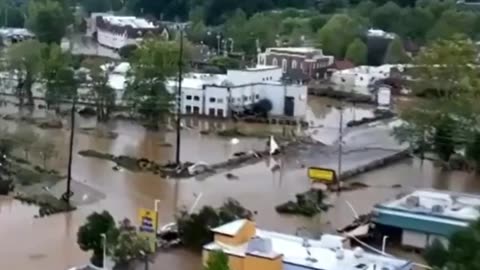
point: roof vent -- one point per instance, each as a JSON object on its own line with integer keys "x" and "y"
{"x": 358, "y": 252}
{"x": 454, "y": 198}
{"x": 437, "y": 209}
{"x": 412, "y": 201}
{"x": 340, "y": 254}
{"x": 262, "y": 245}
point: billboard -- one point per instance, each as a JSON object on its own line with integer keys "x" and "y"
{"x": 322, "y": 175}
{"x": 148, "y": 220}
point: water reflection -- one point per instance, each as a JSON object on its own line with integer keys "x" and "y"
{"x": 50, "y": 243}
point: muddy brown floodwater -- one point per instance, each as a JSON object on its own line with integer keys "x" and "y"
{"x": 50, "y": 243}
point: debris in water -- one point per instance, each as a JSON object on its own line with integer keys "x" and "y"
{"x": 396, "y": 186}
{"x": 231, "y": 176}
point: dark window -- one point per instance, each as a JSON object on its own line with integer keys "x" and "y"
{"x": 188, "y": 109}
{"x": 189, "y": 97}
{"x": 220, "y": 100}
{"x": 196, "y": 110}
{"x": 257, "y": 96}
{"x": 245, "y": 98}
{"x": 196, "y": 98}
{"x": 220, "y": 112}
{"x": 212, "y": 99}
{"x": 211, "y": 112}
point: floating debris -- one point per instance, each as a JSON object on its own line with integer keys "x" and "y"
{"x": 231, "y": 176}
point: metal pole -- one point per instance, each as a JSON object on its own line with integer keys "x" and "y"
{"x": 67, "y": 194}
{"x": 179, "y": 97}
{"x": 340, "y": 145}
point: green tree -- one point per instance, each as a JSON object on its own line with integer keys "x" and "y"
{"x": 59, "y": 77}
{"x": 462, "y": 252}
{"x": 154, "y": 61}
{"x": 195, "y": 228}
{"x": 317, "y": 22}
{"x": 89, "y": 235}
{"x": 330, "y": 6}
{"x": 382, "y": 17}
{"x": 127, "y": 51}
{"x": 91, "y": 6}
{"x": 396, "y": 53}
{"x": 337, "y": 34}
{"x": 128, "y": 244}
{"x": 100, "y": 90}
{"x": 47, "y": 20}
{"x": 436, "y": 254}
{"x": 417, "y": 22}
{"x": 24, "y": 60}
{"x": 447, "y": 71}
{"x": 365, "y": 8}
{"x": 453, "y": 22}
{"x": 197, "y": 32}
{"x": 357, "y": 52}
{"x": 217, "y": 260}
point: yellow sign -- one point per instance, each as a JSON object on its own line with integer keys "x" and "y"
{"x": 321, "y": 175}
{"x": 148, "y": 220}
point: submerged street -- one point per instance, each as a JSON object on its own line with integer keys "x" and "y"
{"x": 50, "y": 243}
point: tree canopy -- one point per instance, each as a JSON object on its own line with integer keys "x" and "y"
{"x": 47, "y": 20}
{"x": 357, "y": 52}
{"x": 337, "y": 34}
{"x": 396, "y": 53}
{"x": 447, "y": 72}
{"x": 217, "y": 260}
{"x": 154, "y": 61}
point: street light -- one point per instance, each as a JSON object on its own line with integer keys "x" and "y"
{"x": 155, "y": 206}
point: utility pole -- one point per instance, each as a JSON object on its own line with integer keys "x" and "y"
{"x": 179, "y": 97}
{"x": 340, "y": 148}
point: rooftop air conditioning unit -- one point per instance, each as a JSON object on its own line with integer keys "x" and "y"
{"x": 358, "y": 252}
{"x": 437, "y": 209}
{"x": 340, "y": 254}
{"x": 413, "y": 201}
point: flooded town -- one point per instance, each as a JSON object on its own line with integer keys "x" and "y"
{"x": 143, "y": 137}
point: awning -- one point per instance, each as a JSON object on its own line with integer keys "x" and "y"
{"x": 360, "y": 231}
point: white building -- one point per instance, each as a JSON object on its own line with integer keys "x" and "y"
{"x": 219, "y": 95}
{"x": 362, "y": 77}
{"x": 118, "y": 31}
{"x": 250, "y": 248}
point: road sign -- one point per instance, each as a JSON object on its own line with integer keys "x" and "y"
{"x": 321, "y": 175}
{"x": 148, "y": 220}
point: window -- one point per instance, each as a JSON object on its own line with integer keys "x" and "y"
{"x": 211, "y": 112}
{"x": 196, "y": 98}
{"x": 301, "y": 65}
{"x": 196, "y": 110}
{"x": 257, "y": 96}
{"x": 274, "y": 62}
{"x": 212, "y": 99}
{"x": 220, "y": 112}
{"x": 189, "y": 97}
{"x": 245, "y": 98}
{"x": 219, "y": 100}
{"x": 284, "y": 65}
{"x": 188, "y": 109}
{"x": 294, "y": 64}
{"x": 239, "y": 99}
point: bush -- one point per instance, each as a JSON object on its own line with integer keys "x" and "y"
{"x": 436, "y": 254}
{"x": 127, "y": 51}
{"x": 195, "y": 228}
